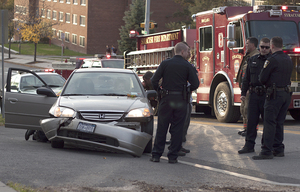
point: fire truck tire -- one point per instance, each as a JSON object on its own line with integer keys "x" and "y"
{"x": 295, "y": 113}
{"x": 223, "y": 106}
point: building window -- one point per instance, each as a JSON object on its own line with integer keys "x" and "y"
{"x": 67, "y": 36}
{"x": 68, "y": 1}
{"x": 61, "y": 16}
{"x": 61, "y": 1}
{"x": 54, "y": 0}
{"x": 75, "y": 2}
{"x": 82, "y": 20}
{"x": 54, "y": 15}
{"x": 43, "y": 13}
{"x": 67, "y": 17}
{"x": 49, "y": 14}
{"x": 74, "y": 39}
{"x": 82, "y": 41}
{"x": 82, "y": 2}
{"x": 21, "y": 9}
{"x": 74, "y": 19}
{"x": 59, "y": 34}
{"x": 53, "y": 33}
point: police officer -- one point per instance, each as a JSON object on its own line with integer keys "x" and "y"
{"x": 175, "y": 74}
{"x": 276, "y": 76}
{"x": 251, "y": 50}
{"x": 257, "y": 93}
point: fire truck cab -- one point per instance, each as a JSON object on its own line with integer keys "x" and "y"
{"x": 221, "y": 39}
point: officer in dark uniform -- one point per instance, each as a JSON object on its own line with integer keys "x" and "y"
{"x": 257, "y": 93}
{"x": 175, "y": 74}
{"x": 276, "y": 76}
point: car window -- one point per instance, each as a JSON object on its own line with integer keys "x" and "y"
{"x": 28, "y": 83}
{"x": 113, "y": 64}
{"x": 103, "y": 84}
{"x": 54, "y": 80}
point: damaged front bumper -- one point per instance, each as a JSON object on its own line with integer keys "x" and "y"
{"x": 105, "y": 136}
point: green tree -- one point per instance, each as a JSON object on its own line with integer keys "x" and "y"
{"x": 280, "y": 2}
{"x": 190, "y": 7}
{"x": 133, "y": 17}
{"x": 32, "y": 25}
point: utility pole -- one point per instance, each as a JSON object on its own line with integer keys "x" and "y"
{"x": 147, "y": 16}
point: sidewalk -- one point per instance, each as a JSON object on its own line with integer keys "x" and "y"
{"x": 5, "y": 188}
{"x": 28, "y": 60}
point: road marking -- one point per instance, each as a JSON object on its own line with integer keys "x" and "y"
{"x": 234, "y": 174}
{"x": 238, "y": 126}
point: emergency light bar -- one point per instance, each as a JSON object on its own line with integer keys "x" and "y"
{"x": 275, "y": 8}
{"x": 297, "y": 49}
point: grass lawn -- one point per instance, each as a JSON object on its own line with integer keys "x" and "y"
{"x": 43, "y": 49}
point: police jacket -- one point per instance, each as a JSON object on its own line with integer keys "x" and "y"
{"x": 254, "y": 67}
{"x": 277, "y": 69}
{"x": 175, "y": 73}
{"x": 243, "y": 66}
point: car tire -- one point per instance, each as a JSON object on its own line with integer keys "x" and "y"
{"x": 148, "y": 128}
{"x": 57, "y": 144}
{"x": 223, "y": 106}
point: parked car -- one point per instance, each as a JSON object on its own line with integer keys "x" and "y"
{"x": 99, "y": 108}
{"x": 103, "y": 63}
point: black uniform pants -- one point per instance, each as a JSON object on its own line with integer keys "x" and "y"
{"x": 172, "y": 109}
{"x": 275, "y": 112}
{"x": 255, "y": 109}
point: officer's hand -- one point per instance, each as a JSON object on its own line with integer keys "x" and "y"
{"x": 243, "y": 98}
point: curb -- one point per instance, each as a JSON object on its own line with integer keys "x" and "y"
{"x": 5, "y": 188}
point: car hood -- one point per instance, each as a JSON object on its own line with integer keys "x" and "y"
{"x": 105, "y": 103}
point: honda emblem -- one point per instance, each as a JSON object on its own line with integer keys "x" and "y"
{"x": 102, "y": 116}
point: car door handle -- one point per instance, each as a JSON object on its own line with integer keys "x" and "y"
{"x": 12, "y": 100}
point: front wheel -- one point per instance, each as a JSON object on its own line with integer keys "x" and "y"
{"x": 223, "y": 106}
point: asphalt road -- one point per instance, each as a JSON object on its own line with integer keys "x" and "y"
{"x": 212, "y": 165}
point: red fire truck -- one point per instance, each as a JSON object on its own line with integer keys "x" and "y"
{"x": 220, "y": 46}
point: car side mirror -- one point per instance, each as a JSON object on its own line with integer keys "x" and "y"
{"x": 45, "y": 91}
{"x": 151, "y": 94}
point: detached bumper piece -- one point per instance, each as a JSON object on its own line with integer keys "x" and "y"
{"x": 109, "y": 137}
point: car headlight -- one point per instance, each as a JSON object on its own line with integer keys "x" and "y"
{"x": 62, "y": 112}
{"x": 142, "y": 112}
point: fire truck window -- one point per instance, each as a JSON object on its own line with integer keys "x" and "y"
{"x": 205, "y": 39}
{"x": 287, "y": 30}
{"x": 238, "y": 35}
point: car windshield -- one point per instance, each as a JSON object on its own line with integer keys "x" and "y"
{"x": 103, "y": 83}
{"x": 113, "y": 64}
{"x": 287, "y": 30}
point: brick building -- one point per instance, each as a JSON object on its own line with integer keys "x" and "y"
{"x": 89, "y": 25}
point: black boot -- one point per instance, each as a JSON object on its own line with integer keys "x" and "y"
{"x": 28, "y": 133}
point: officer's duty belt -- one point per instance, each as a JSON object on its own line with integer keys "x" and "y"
{"x": 174, "y": 92}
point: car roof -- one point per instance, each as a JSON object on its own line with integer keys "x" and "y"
{"x": 116, "y": 70}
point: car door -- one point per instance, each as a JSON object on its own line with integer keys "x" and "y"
{"x": 24, "y": 109}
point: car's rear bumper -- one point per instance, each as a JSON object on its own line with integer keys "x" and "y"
{"x": 105, "y": 136}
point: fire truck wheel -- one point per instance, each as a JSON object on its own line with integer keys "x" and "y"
{"x": 295, "y": 113}
{"x": 223, "y": 106}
